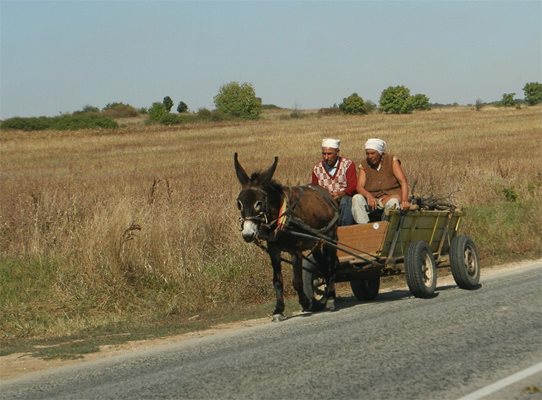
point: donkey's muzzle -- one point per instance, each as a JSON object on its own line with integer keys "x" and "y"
{"x": 249, "y": 231}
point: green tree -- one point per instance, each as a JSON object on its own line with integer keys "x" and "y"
{"x": 395, "y": 100}
{"x": 533, "y": 93}
{"x": 419, "y": 102}
{"x": 157, "y": 111}
{"x": 353, "y": 104}
{"x": 238, "y": 100}
{"x": 182, "y": 107}
{"x": 168, "y": 103}
{"x": 508, "y": 100}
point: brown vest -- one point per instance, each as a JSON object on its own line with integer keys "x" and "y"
{"x": 383, "y": 182}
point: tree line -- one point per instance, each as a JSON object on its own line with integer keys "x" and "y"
{"x": 239, "y": 101}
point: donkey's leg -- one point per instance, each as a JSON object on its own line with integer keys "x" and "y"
{"x": 330, "y": 256}
{"x": 298, "y": 282}
{"x": 327, "y": 263}
{"x": 278, "y": 314}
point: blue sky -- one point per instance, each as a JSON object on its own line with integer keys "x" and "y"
{"x": 58, "y": 56}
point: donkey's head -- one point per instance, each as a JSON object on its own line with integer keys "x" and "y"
{"x": 253, "y": 200}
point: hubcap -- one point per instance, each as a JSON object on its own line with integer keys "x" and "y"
{"x": 470, "y": 261}
{"x": 427, "y": 271}
{"x": 319, "y": 287}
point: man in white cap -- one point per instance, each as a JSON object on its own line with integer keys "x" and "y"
{"x": 381, "y": 182}
{"x": 337, "y": 175}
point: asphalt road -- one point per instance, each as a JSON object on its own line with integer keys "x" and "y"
{"x": 456, "y": 344}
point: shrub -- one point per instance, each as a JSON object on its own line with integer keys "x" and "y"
{"x": 119, "y": 110}
{"x": 182, "y": 107}
{"x": 353, "y": 104}
{"x": 89, "y": 109}
{"x": 63, "y": 122}
{"x": 419, "y": 102}
{"x": 238, "y": 100}
{"x": 204, "y": 113}
{"x": 508, "y": 100}
{"x": 478, "y": 105}
{"x": 168, "y": 103}
{"x": 172, "y": 119}
{"x": 329, "y": 111}
{"x": 533, "y": 93}
{"x": 395, "y": 100}
{"x": 157, "y": 112}
{"x": 27, "y": 124}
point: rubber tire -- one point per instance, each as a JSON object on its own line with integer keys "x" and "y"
{"x": 420, "y": 270}
{"x": 314, "y": 293}
{"x": 465, "y": 262}
{"x": 366, "y": 289}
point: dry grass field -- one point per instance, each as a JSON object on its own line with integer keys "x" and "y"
{"x": 140, "y": 223}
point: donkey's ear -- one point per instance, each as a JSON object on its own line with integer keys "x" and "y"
{"x": 241, "y": 174}
{"x": 268, "y": 175}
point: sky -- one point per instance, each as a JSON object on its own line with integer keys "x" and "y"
{"x": 59, "y": 56}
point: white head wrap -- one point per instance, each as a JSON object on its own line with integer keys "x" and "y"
{"x": 375, "y": 144}
{"x": 332, "y": 143}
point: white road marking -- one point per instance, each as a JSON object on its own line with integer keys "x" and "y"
{"x": 503, "y": 383}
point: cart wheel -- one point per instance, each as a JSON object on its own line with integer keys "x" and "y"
{"x": 465, "y": 262}
{"x": 420, "y": 269}
{"x": 366, "y": 289}
{"x": 314, "y": 287}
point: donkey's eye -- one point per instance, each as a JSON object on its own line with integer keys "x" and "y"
{"x": 239, "y": 205}
{"x": 258, "y": 206}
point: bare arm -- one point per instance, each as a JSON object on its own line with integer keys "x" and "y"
{"x": 400, "y": 176}
{"x": 360, "y": 188}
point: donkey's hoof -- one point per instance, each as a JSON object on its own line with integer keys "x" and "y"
{"x": 278, "y": 317}
{"x": 331, "y": 305}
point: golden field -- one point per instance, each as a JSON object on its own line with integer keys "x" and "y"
{"x": 141, "y": 224}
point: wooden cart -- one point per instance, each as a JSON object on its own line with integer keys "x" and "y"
{"x": 415, "y": 243}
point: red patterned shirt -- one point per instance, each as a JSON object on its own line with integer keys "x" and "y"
{"x": 344, "y": 179}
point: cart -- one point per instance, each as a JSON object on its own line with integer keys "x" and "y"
{"x": 413, "y": 243}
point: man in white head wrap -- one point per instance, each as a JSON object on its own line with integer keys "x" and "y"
{"x": 381, "y": 182}
{"x": 337, "y": 175}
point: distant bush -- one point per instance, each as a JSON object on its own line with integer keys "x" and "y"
{"x": 395, "y": 100}
{"x": 119, "y": 110}
{"x": 533, "y": 93}
{"x": 27, "y": 123}
{"x": 419, "y": 102}
{"x": 329, "y": 111}
{"x": 508, "y": 100}
{"x": 73, "y": 122}
{"x": 238, "y": 100}
{"x": 270, "y": 107}
{"x": 63, "y": 122}
{"x": 173, "y": 119}
{"x": 88, "y": 109}
{"x": 182, "y": 107}
{"x": 157, "y": 112}
{"x": 168, "y": 103}
{"x": 353, "y": 104}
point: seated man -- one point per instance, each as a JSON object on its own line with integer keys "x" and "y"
{"x": 338, "y": 176}
{"x": 381, "y": 182}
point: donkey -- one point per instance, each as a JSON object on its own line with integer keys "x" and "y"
{"x": 282, "y": 217}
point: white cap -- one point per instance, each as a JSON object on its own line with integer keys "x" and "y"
{"x": 375, "y": 144}
{"x": 331, "y": 143}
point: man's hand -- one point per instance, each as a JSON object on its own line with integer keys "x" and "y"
{"x": 372, "y": 202}
{"x": 405, "y": 205}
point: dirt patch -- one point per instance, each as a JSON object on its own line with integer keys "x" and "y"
{"x": 18, "y": 364}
